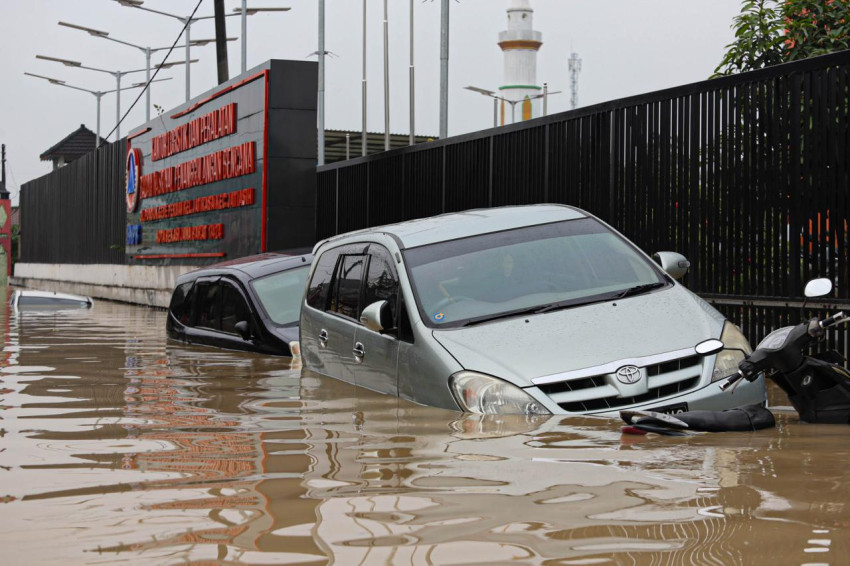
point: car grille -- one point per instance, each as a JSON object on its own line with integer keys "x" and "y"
{"x": 664, "y": 380}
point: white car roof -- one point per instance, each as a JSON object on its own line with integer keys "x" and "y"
{"x": 456, "y": 225}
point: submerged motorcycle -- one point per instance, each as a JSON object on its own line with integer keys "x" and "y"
{"x": 817, "y": 384}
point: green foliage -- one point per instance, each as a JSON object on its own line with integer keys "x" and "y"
{"x": 815, "y": 27}
{"x": 758, "y": 38}
{"x": 769, "y": 32}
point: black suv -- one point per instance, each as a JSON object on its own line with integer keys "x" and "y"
{"x": 252, "y": 303}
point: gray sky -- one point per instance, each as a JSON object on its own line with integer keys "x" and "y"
{"x": 627, "y": 47}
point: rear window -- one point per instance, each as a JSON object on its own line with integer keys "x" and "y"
{"x": 280, "y": 294}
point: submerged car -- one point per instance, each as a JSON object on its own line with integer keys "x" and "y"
{"x": 252, "y": 303}
{"x": 27, "y": 299}
{"x": 540, "y": 309}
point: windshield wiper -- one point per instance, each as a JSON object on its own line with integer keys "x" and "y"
{"x": 639, "y": 290}
{"x": 509, "y": 314}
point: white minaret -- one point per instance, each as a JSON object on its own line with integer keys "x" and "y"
{"x": 520, "y": 44}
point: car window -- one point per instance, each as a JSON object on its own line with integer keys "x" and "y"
{"x": 381, "y": 281}
{"x": 318, "y": 291}
{"x": 181, "y": 302}
{"x": 233, "y": 309}
{"x": 280, "y": 294}
{"x": 345, "y": 299}
{"x": 208, "y": 306}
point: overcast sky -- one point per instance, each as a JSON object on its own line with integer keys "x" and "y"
{"x": 627, "y": 47}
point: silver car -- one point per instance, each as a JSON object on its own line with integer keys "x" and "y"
{"x": 527, "y": 309}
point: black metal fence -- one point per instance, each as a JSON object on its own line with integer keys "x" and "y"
{"x": 77, "y": 214}
{"x": 746, "y": 175}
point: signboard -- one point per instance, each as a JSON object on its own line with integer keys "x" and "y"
{"x": 197, "y": 178}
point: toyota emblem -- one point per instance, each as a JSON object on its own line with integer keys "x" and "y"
{"x": 628, "y": 374}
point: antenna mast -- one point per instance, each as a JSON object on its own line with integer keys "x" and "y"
{"x": 575, "y": 69}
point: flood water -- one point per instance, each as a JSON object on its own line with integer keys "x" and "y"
{"x": 119, "y": 447}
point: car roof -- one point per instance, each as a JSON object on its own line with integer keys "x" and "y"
{"x": 456, "y": 225}
{"x": 251, "y": 267}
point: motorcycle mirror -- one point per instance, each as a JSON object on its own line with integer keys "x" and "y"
{"x": 818, "y": 288}
{"x": 709, "y": 347}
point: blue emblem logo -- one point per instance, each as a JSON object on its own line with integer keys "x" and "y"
{"x": 134, "y": 167}
{"x": 439, "y": 316}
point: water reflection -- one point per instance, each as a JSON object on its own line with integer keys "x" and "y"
{"x": 118, "y": 446}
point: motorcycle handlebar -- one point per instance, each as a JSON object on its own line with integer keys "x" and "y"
{"x": 731, "y": 380}
{"x": 837, "y": 318}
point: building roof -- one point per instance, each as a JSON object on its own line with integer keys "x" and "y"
{"x": 335, "y": 143}
{"x": 77, "y": 143}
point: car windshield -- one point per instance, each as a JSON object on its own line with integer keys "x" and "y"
{"x": 281, "y": 294}
{"x": 531, "y": 269}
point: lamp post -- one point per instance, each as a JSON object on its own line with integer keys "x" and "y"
{"x": 513, "y": 103}
{"x": 146, "y": 50}
{"x": 386, "y": 77}
{"x": 98, "y": 94}
{"x": 245, "y": 11}
{"x": 185, "y": 20}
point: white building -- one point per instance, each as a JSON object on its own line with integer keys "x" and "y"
{"x": 520, "y": 44}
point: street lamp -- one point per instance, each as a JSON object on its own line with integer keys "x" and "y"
{"x": 97, "y": 94}
{"x": 513, "y": 103}
{"x": 146, "y": 50}
{"x": 187, "y": 21}
{"x": 245, "y": 11}
{"x": 116, "y": 74}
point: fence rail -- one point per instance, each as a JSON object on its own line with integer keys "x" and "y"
{"x": 746, "y": 175}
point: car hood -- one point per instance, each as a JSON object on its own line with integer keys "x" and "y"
{"x": 525, "y": 347}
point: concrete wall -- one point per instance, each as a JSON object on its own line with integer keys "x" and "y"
{"x": 139, "y": 284}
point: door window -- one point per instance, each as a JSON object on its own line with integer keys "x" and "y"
{"x": 181, "y": 303}
{"x": 319, "y": 289}
{"x": 349, "y": 275}
{"x": 381, "y": 282}
{"x": 209, "y": 306}
{"x": 234, "y": 309}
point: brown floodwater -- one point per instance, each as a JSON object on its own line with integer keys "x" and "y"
{"x": 120, "y": 447}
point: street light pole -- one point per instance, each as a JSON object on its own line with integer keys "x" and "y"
{"x": 321, "y": 101}
{"x": 444, "y": 71}
{"x": 147, "y": 51}
{"x": 412, "y": 139}
{"x": 245, "y": 11}
{"x": 363, "y": 133}
{"x": 513, "y": 103}
{"x": 386, "y": 77}
{"x": 96, "y": 93}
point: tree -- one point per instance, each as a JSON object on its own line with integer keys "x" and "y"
{"x": 769, "y": 32}
{"x": 815, "y": 27}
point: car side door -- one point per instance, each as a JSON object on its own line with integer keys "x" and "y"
{"x": 219, "y": 306}
{"x": 375, "y": 354}
{"x": 329, "y": 315}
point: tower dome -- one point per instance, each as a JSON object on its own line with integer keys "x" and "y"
{"x": 520, "y": 44}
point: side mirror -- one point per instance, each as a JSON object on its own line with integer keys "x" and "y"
{"x": 709, "y": 347}
{"x": 818, "y": 288}
{"x": 243, "y": 329}
{"x": 377, "y": 316}
{"x": 675, "y": 265}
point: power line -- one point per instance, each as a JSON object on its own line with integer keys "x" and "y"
{"x": 147, "y": 86}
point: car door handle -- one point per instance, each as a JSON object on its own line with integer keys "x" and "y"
{"x": 359, "y": 351}
{"x": 323, "y": 338}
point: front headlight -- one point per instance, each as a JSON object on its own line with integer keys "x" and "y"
{"x": 735, "y": 348}
{"x": 486, "y": 395}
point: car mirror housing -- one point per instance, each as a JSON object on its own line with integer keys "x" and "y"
{"x": 674, "y": 264}
{"x": 243, "y": 329}
{"x": 376, "y": 317}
